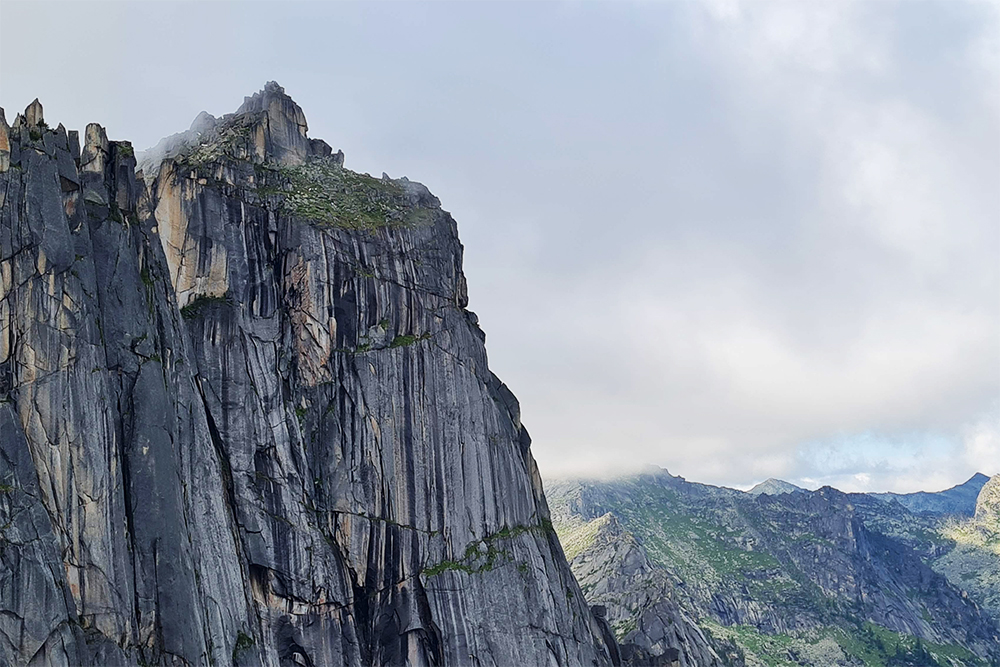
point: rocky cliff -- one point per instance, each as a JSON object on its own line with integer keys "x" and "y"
{"x": 246, "y": 418}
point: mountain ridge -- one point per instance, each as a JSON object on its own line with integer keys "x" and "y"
{"x": 764, "y": 575}
{"x": 959, "y": 499}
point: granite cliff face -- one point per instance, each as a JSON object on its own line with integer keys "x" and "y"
{"x": 803, "y": 578}
{"x": 246, "y": 418}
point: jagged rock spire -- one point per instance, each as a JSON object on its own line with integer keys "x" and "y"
{"x": 284, "y": 133}
{"x": 33, "y": 114}
{"x": 271, "y": 127}
{"x": 4, "y": 143}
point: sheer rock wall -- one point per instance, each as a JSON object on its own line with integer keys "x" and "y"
{"x": 247, "y": 419}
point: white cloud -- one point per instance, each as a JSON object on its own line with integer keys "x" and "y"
{"x": 982, "y": 444}
{"x": 889, "y": 324}
{"x": 710, "y": 236}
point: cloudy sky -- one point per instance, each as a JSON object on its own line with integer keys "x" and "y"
{"x": 735, "y": 239}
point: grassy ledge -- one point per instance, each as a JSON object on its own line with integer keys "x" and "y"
{"x": 485, "y": 555}
{"x": 200, "y": 303}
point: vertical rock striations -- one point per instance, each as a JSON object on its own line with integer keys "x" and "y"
{"x": 246, "y": 418}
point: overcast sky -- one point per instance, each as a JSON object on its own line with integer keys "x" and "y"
{"x": 734, "y": 239}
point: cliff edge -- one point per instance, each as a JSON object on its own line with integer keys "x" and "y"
{"x": 246, "y": 418}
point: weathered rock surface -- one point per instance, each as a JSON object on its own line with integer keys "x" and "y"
{"x": 245, "y": 417}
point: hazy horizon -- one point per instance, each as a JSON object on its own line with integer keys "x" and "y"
{"x": 735, "y": 240}
{"x": 810, "y": 486}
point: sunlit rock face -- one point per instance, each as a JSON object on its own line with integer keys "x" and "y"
{"x": 246, "y": 418}
{"x": 988, "y": 503}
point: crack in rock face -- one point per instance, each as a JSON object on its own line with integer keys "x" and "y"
{"x": 246, "y": 416}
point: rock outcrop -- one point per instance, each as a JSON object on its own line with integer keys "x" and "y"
{"x": 988, "y": 504}
{"x": 246, "y": 418}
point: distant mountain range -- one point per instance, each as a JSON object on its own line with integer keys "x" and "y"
{"x": 958, "y": 500}
{"x": 784, "y": 576}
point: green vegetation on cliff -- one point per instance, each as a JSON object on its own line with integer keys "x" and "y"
{"x": 319, "y": 189}
{"x": 323, "y": 191}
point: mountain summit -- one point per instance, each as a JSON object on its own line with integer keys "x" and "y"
{"x": 774, "y": 487}
{"x": 269, "y": 127}
{"x": 247, "y": 419}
